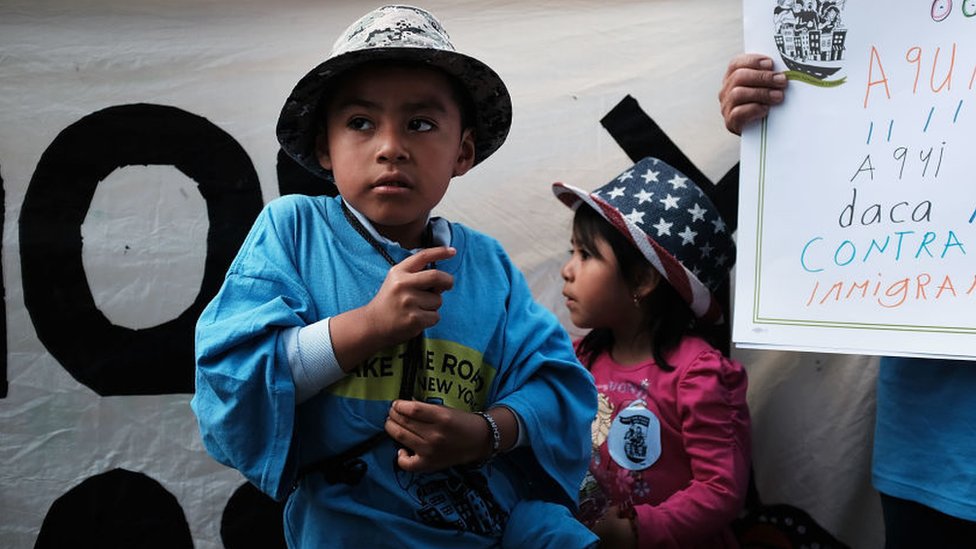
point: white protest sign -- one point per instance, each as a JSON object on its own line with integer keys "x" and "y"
{"x": 857, "y": 228}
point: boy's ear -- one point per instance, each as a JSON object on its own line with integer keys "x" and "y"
{"x": 322, "y": 151}
{"x": 465, "y": 158}
{"x": 648, "y": 282}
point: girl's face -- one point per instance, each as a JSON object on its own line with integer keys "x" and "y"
{"x": 596, "y": 293}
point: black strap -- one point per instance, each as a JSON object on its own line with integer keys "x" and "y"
{"x": 415, "y": 347}
{"x": 347, "y": 467}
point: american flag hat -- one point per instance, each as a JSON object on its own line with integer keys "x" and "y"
{"x": 672, "y": 222}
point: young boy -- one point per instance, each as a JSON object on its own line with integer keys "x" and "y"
{"x": 387, "y": 371}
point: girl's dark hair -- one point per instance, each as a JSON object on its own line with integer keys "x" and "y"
{"x": 667, "y": 317}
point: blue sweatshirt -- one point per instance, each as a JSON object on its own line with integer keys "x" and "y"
{"x": 494, "y": 345}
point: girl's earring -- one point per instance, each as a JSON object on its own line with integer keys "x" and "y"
{"x": 636, "y": 301}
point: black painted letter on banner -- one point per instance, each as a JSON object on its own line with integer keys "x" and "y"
{"x": 116, "y": 509}
{"x": 110, "y": 359}
{"x": 639, "y": 136}
{"x": 252, "y": 519}
{"x": 293, "y": 178}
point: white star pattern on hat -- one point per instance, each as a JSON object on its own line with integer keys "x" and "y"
{"x": 643, "y": 196}
{"x": 719, "y": 225}
{"x": 687, "y": 236}
{"x": 663, "y": 227}
{"x": 677, "y": 182}
{"x": 635, "y": 217}
{"x": 652, "y": 190}
{"x": 669, "y": 202}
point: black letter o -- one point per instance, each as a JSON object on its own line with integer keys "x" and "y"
{"x": 110, "y": 359}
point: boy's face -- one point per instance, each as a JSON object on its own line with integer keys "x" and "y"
{"x": 393, "y": 140}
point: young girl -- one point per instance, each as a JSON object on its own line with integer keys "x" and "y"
{"x": 671, "y": 437}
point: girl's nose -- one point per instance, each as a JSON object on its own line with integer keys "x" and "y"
{"x": 566, "y": 271}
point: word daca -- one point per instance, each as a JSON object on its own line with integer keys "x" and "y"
{"x": 874, "y": 213}
{"x": 894, "y": 294}
{"x": 913, "y": 56}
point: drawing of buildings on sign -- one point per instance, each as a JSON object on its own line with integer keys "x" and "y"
{"x": 810, "y": 37}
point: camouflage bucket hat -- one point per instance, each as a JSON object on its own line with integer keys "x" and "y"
{"x": 674, "y": 225}
{"x": 398, "y": 33}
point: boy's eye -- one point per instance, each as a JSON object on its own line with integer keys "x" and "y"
{"x": 420, "y": 125}
{"x": 359, "y": 123}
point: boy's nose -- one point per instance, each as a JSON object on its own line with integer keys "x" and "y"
{"x": 391, "y": 147}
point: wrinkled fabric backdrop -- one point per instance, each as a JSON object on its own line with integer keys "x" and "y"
{"x": 137, "y": 143}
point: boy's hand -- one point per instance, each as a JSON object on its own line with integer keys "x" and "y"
{"x": 749, "y": 88}
{"x": 437, "y": 436}
{"x": 409, "y": 298}
{"x": 405, "y": 305}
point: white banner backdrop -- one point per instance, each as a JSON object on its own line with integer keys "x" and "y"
{"x": 96, "y": 387}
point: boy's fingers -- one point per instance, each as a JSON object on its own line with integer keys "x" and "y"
{"x": 419, "y": 260}
{"x": 415, "y": 410}
{"x": 400, "y": 431}
{"x": 414, "y": 463}
{"x": 434, "y": 281}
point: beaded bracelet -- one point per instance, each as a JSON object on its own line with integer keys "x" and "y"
{"x": 496, "y": 438}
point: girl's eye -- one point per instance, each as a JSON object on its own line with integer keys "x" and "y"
{"x": 420, "y": 125}
{"x": 359, "y": 123}
{"x": 582, "y": 253}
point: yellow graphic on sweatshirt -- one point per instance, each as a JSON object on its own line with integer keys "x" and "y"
{"x": 452, "y": 374}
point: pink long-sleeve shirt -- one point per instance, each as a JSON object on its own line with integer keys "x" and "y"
{"x": 686, "y": 469}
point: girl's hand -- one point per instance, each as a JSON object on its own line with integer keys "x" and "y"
{"x": 615, "y": 531}
{"x": 437, "y": 436}
{"x": 749, "y": 88}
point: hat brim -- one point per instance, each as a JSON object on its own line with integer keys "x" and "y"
{"x": 300, "y": 117}
{"x": 699, "y": 297}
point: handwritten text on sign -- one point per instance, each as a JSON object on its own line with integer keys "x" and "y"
{"x": 859, "y": 191}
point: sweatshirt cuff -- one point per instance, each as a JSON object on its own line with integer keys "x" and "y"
{"x": 311, "y": 359}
